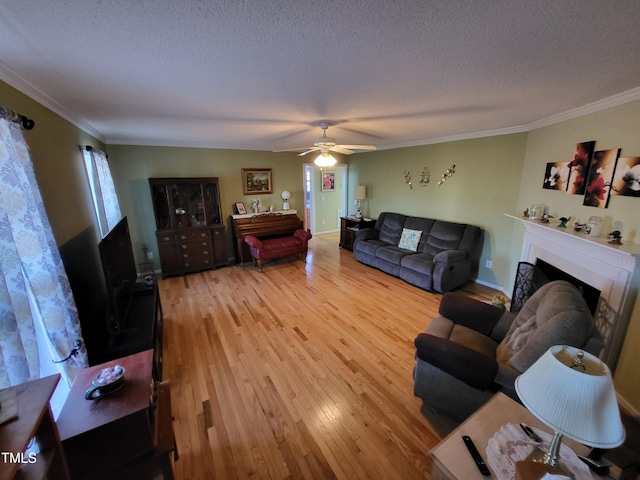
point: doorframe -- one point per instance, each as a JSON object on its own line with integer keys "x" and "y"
{"x": 310, "y": 188}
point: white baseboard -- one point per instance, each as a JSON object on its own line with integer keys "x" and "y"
{"x": 495, "y": 287}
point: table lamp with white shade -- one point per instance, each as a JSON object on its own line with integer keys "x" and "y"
{"x": 359, "y": 194}
{"x": 572, "y": 392}
{"x": 285, "y": 197}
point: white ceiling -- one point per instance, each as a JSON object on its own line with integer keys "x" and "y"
{"x": 258, "y": 74}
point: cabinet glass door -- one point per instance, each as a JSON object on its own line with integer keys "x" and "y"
{"x": 188, "y": 205}
{"x": 161, "y": 206}
{"x": 212, "y": 204}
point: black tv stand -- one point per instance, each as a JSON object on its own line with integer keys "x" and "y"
{"x": 142, "y": 329}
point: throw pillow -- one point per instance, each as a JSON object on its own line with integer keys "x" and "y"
{"x": 410, "y": 239}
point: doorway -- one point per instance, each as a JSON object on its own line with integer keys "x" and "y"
{"x": 325, "y": 192}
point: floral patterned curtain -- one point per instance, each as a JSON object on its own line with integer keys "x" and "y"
{"x": 105, "y": 199}
{"x": 30, "y": 263}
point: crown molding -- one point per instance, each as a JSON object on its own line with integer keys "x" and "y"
{"x": 597, "y": 106}
{"x": 11, "y": 78}
{"x": 17, "y": 82}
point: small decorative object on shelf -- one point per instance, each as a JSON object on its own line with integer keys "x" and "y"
{"x": 255, "y": 205}
{"x": 525, "y": 214}
{"x": 498, "y": 301}
{"x": 563, "y": 222}
{"x": 615, "y": 238}
{"x": 536, "y": 211}
{"x": 545, "y": 218}
{"x": 578, "y": 226}
{"x": 285, "y": 195}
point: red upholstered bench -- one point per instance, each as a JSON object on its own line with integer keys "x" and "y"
{"x": 279, "y": 247}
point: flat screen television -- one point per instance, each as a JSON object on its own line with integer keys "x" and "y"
{"x": 120, "y": 274}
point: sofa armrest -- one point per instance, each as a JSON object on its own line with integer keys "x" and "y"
{"x": 366, "y": 234}
{"x": 253, "y": 241}
{"x": 471, "y": 367}
{"x": 302, "y": 235}
{"x": 450, "y": 256}
{"x": 479, "y": 316}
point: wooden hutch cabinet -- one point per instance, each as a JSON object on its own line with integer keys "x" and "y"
{"x": 189, "y": 228}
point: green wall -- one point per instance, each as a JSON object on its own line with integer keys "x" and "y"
{"x": 132, "y": 166}
{"x": 483, "y": 188}
{"x": 615, "y": 127}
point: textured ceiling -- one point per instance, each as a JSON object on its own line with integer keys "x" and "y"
{"x": 256, "y": 74}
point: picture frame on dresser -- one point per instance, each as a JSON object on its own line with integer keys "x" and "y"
{"x": 240, "y": 208}
{"x": 256, "y": 181}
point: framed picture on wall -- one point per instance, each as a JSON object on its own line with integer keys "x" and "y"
{"x": 328, "y": 181}
{"x": 256, "y": 181}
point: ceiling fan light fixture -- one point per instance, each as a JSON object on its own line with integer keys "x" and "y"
{"x": 325, "y": 159}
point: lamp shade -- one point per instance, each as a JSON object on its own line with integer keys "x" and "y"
{"x": 360, "y": 192}
{"x": 573, "y": 395}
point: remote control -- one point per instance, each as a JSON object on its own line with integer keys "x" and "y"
{"x": 477, "y": 458}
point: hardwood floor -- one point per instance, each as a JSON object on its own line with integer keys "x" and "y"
{"x": 303, "y": 371}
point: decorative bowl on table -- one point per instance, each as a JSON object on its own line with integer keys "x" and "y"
{"x": 107, "y": 381}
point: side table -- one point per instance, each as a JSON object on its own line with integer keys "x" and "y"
{"x": 452, "y": 461}
{"x": 104, "y": 434}
{"x": 349, "y": 226}
{"x": 45, "y": 458}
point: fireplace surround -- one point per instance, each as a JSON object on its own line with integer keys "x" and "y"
{"x": 611, "y": 269}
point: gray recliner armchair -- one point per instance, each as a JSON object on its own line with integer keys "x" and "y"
{"x": 474, "y": 349}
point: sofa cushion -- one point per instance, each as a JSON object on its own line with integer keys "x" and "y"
{"x": 454, "y": 359}
{"x": 444, "y": 236}
{"x": 422, "y": 224}
{"x": 556, "y": 314}
{"x": 410, "y": 239}
{"x": 391, "y": 228}
{"x": 371, "y": 246}
{"x": 392, "y": 254}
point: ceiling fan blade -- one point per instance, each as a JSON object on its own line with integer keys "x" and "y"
{"x": 292, "y": 149}
{"x": 341, "y": 149}
{"x": 358, "y": 147}
{"x": 314, "y": 149}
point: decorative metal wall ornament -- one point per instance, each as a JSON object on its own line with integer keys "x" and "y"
{"x": 407, "y": 179}
{"x": 447, "y": 173}
{"x": 425, "y": 177}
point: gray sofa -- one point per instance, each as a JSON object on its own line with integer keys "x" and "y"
{"x": 444, "y": 258}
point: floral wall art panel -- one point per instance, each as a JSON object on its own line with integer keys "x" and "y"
{"x": 626, "y": 180}
{"x": 603, "y": 166}
{"x": 556, "y": 176}
{"x": 579, "y": 167}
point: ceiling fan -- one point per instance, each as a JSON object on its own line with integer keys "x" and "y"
{"x": 325, "y": 145}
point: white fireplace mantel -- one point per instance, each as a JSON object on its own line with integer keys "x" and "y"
{"x": 612, "y": 269}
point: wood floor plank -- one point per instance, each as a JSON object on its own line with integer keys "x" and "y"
{"x": 301, "y": 372}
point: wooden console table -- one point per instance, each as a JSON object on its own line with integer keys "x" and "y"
{"x": 452, "y": 461}
{"x": 262, "y": 225}
{"x": 101, "y": 435}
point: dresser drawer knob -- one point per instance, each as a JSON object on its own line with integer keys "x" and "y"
{"x": 203, "y": 235}
{"x": 205, "y": 252}
{"x": 183, "y": 237}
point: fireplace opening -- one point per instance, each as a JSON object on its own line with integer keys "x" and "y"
{"x": 590, "y": 294}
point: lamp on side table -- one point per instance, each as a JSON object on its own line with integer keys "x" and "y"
{"x": 572, "y": 392}
{"x": 359, "y": 194}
